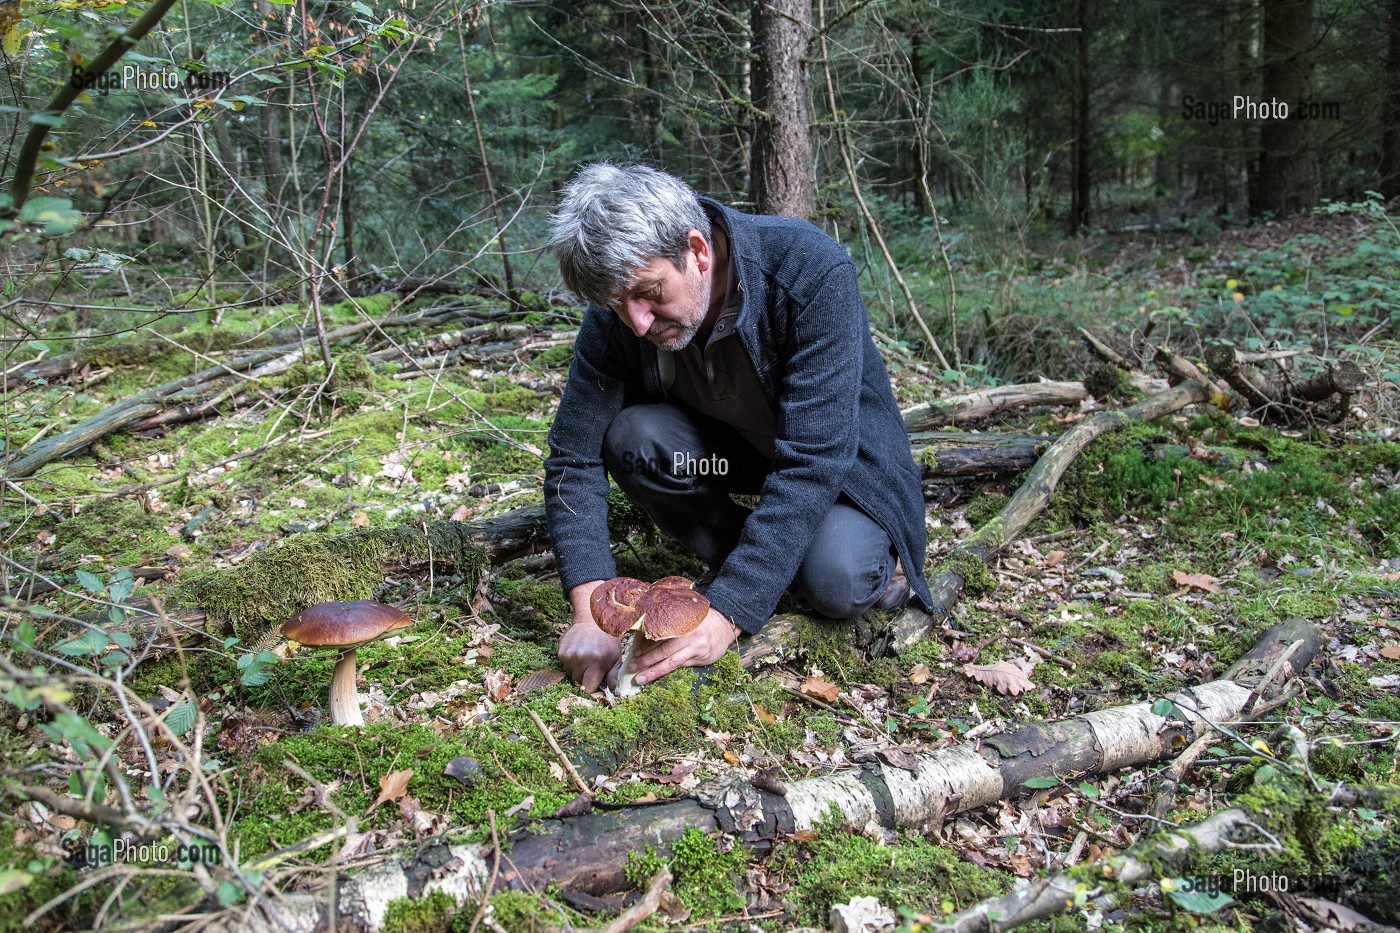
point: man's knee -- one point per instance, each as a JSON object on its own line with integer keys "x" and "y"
{"x": 638, "y": 441}
{"x": 847, "y": 566}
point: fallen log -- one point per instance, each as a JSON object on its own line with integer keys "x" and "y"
{"x": 974, "y": 406}
{"x": 203, "y": 388}
{"x": 971, "y": 555}
{"x": 587, "y": 853}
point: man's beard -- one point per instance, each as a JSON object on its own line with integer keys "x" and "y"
{"x": 675, "y": 335}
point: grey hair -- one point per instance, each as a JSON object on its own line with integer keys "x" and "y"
{"x": 615, "y": 218}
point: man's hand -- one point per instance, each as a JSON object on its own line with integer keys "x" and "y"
{"x": 587, "y": 652}
{"x": 706, "y": 645}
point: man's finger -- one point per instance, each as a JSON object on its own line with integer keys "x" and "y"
{"x": 661, "y": 667}
{"x": 592, "y": 677}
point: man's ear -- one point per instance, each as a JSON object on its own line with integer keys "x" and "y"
{"x": 704, "y": 255}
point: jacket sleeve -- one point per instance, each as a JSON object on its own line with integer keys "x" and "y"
{"x": 818, "y": 436}
{"x": 575, "y": 483}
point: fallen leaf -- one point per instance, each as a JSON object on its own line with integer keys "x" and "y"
{"x": 521, "y": 807}
{"x": 462, "y": 513}
{"x": 677, "y": 775}
{"x": 920, "y": 675}
{"x": 497, "y": 685}
{"x": 359, "y": 520}
{"x": 1196, "y": 581}
{"x": 820, "y": 689}
{"x": 804, "y": 835}
{"x": 899, "y": 758}
{"x": 1337, "y": 916}
{"x": 464, "y": 771}
{"x": 538, "y": 680}
{"x": 392, "y": 786}
{"x": 1389, "y": 680}
{"x": 1003, "y": 677}
{"x": 1390, "y": 651}
{"x": 1054, "y": 557}
{"x": 296, "y": 503}
{"x": 763, "y": 714}
{"x": 179, "y": 551}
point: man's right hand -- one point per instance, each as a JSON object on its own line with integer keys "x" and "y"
{"x": 587, "y": 652}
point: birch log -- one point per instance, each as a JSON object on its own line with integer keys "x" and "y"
{"x": 587, "y": 854}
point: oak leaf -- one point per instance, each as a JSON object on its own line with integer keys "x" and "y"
{"x": 1196, "y": 581}
{"x": 1003, "y": 677}
{"x": 820, "y": 689}
{"x": 1054, "y": 557}
{"x": 392, "y": 786}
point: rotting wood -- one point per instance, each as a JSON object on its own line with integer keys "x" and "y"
{"x": 984, "y": 403}
{"x": 1274, "y": 398}
{"x": 587, "y": 853}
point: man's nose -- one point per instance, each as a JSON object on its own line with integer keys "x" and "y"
{"x": 637, "y": 315}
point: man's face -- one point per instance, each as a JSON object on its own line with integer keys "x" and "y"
{"x": 667, "y": 305}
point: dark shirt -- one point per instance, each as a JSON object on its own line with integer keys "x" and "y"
{"x": 803, "y": 327}
{"x": 718, "y": 379}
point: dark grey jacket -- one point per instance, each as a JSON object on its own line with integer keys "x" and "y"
{"x": 804, "y": 328}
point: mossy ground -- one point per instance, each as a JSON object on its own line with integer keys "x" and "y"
{"x": 1284, "y": 525}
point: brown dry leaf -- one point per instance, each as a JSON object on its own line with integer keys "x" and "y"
{"x": 899, "y": 758}
{"x": 804, "y": 835}
{"x": 392, "y": 786}
{"x": 820, "y": 689}
{"x": 538, "y": 680}
{"x": 1003, "y": 677}
{"x": 763, "y": 714}
{"x": 1054, "y": 557}
{"x": 1196, "y": 581}
{"x": 677, "y": 775}
{"x": 1390, "y": 652}
{"x": 497, "y": 685}
{"x": 461, "y": 513}
{"x": 920, "y": 675}
{"x": 179, "y": 551}
{"x": 359, "y": 520}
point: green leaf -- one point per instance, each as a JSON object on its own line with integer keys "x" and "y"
{"x": 44, "y": 118}
{"x": 1201, "y": 902}
{"x": 26, "y": 634}
{"x": 1088, "y": 790}
{"x": 1366, "y": 813}
{"x": 1163, "y": 707}
{"x": 230, "y": 893}
{"x": 92, "y": 583}
{"x": 180, "y": 719}
{"x": 361, "y": 8}
{"x": 1265, "y": 774}
{"x": 1040, "y": 782}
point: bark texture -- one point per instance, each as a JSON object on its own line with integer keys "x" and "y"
{"x": 1288, "y": 174}
{"x": 783, "y": 179}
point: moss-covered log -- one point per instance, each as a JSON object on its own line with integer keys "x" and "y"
{"x": 1274, "y": 398}
{"x": 588, "y": 853}
{"x": 953, "y": 454}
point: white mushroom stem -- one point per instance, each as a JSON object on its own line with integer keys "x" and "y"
{"x": 626, "y": 686}
{"x": 345, "y": 702}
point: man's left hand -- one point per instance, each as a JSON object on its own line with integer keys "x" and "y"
{"x": 706, "y": 645}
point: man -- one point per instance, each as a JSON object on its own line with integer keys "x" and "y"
{"x": 723, "y": 353}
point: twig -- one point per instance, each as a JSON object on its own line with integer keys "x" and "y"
{"x": 579, "y": 782}
{"x": 1045, "y": 653}
{"x": 644, "y": 908}
{"x": 495, "y": 872}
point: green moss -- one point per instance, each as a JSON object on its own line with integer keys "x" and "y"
{"x": 977, "y": 579}
{"x": 516, "y": 912}
{"x": 665, "y": 713}
{"x": 431, "y": 913}
{"x": 706, "y": 878}
{"x": 914, "y": 873}
{"x": 1106, "y": 381}
{"x": 984, "y": 507}
{"x": 276, "y": 583}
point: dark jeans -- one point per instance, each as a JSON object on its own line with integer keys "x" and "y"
{"x": 681, "y": 467}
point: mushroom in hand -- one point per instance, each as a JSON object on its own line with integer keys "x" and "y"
{"x": 668, "y": 608}
{"x": 345, "y": 626}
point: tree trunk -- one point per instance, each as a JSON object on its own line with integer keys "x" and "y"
{"x": 783, "y": 179}
{"x": 1080, "y": 152}
{"x": 1288, "y": 172}
{"x": 1390, "y": 139}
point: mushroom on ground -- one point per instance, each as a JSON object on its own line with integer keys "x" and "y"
{"x": 668, "y": 608}
{"x": 345, "y": 626}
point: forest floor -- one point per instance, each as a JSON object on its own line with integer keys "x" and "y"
{"x": 1145, "y": 574}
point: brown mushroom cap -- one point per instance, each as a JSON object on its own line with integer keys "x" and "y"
{"x": 344, "y": 625}
{"x": 614, "y": 604}
{"x": 670, "y": 612}
{"x": 673, "y": 583}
